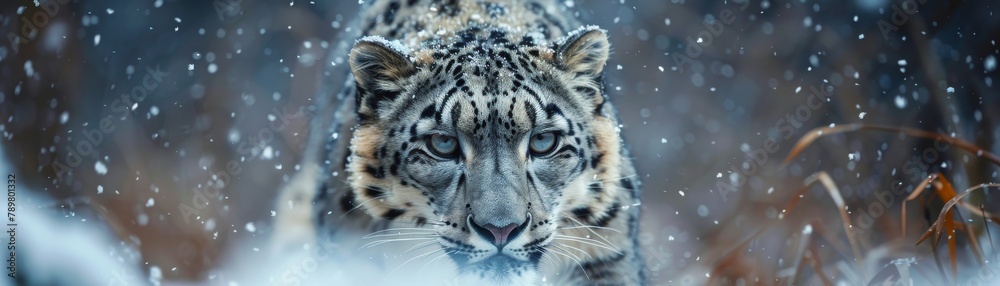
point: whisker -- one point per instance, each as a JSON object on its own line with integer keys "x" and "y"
{"x": 361, "y": 204}
{"x": 591, "y": 226}
{"x": 415, "y": 257}
{"x": 577, "y": 249}
{"x": 436, "y": 258}
{"x": 401, "y": 229}
{"x": 396, "y": 234}
{"x": 594, "y": 232}
{"x": 588, "y": 242}
{"x": 574, "y": 260}
{"x": 554, "y": 252}
{"x": 384, "y": 241}
{"x": 550, "y": 260}
{"x": 567, "y": 251}
{"x": 419, "y": 245}
{"x": 587, "y": 239}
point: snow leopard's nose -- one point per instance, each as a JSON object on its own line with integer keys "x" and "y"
{"x": 498, "y": 235}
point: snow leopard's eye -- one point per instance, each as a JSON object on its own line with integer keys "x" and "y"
{"x": 443, "y": 145}
{"x": 542, "y": 144}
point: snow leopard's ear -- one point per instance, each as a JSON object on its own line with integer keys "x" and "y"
{"x": 584, "y": 52}
{"x": 378, "y": 68}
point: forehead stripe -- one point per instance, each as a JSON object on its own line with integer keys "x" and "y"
{"x": 551, "y": 110}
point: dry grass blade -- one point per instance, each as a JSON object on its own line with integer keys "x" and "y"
{"x": 800, "y": 254}
{"x": 949, "y": 226}
{"x": 913, "y": 196}
{"x": 808, "y": 252}
{"x": 816, "y": 133}
{"x": 946, "y": 192}
{"x": 831, "y": 188}
{"x": 980, "y": 212}
{"x": 824, "y": 179}
{"x": 977, "y": 248}
{"x": 945, "y": 220}
{"x": 974, "y": 246}
{"x": 829, "y": 238}
{"x": 733, "y": 256}
{"x": 986, "y": 226}
{"x": 817, "y": 265}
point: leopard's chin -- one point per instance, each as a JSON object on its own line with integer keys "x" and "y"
{"x": 500, "y": 270}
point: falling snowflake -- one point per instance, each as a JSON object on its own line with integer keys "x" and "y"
{"x": 100, "y": 168}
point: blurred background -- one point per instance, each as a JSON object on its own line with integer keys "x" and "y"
{"x": 118, "y": 115}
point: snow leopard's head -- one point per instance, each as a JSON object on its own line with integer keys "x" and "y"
{"x": 490, "y": 143}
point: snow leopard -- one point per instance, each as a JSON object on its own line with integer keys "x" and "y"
{"x": 482, "y": 130}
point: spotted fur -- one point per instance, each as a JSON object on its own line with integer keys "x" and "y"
{"x": 492, "y": 74}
